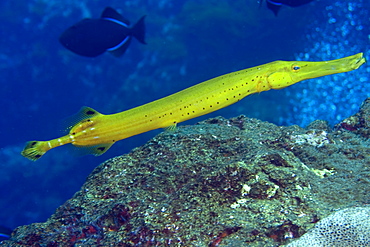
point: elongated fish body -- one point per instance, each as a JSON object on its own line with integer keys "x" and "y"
{"x": 98, "y": 132}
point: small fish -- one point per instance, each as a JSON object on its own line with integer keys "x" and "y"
{"x": 275, "y": 5}
{"x": 4, "y": 233}
{"x": 111, "y": 32}
{"x": 97, "y": 132}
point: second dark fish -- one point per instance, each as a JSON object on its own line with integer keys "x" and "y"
{"x": 275, "y": 5}
{"x": 111, "y": 32}
{"x": 4, "y": 233}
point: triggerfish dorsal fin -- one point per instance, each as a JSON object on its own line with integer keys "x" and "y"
{"x": 84, "y": 113}
{"x": 110, "y": 13}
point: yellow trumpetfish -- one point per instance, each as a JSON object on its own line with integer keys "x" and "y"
{"x": 98, "y": 132}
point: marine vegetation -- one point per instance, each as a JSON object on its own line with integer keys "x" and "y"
{"x": 97, "y": 132}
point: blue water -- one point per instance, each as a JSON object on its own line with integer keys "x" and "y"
{"x": 42, "y": 83}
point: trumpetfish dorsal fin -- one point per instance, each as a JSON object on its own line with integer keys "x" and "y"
{"x": 81, "y": 118}
{"x": 84, "y": 113}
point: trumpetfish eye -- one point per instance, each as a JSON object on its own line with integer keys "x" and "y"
{"x": 296, "y": 68}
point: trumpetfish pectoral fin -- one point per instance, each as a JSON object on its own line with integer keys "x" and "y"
{"x": 172, "y": 127}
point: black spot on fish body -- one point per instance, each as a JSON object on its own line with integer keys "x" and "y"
{"x": 92, "y": 37}
{"x": 89, "y": 112}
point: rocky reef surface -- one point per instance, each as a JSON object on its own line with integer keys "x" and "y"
{"x": 221, "y": 182}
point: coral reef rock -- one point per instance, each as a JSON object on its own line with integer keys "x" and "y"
{"x": 221, "y": 182}
{"x": 349, "y": 227}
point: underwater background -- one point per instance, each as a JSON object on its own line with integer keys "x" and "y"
{"x": 188, "y": 41}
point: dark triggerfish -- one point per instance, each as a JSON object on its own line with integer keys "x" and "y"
{"x": 111, "y": 32}
{"x": 275, "y": 5}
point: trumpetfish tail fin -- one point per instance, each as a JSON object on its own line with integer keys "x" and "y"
{"x": 35, "y": 149}
{"x": 77, "y": 125}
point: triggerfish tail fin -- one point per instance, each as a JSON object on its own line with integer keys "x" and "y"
{"x": 138, "y": 30}
{"x": 35, "y": 149}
